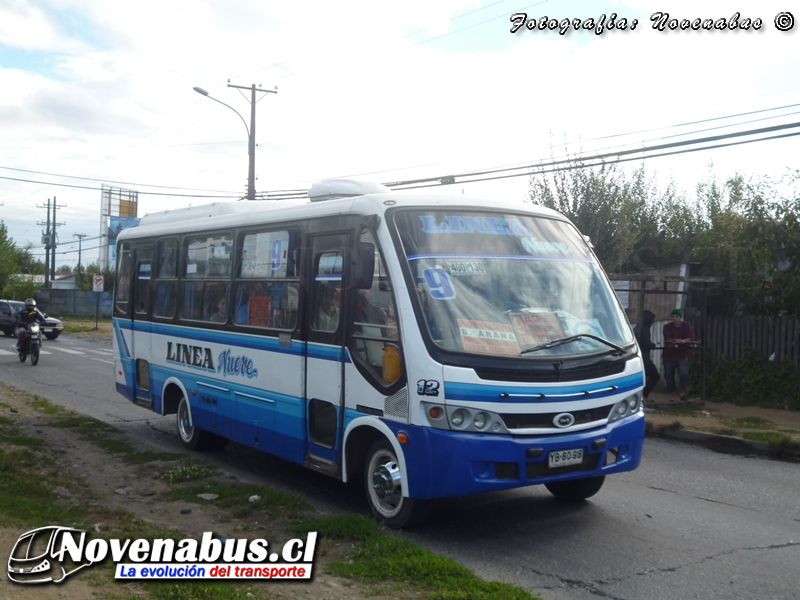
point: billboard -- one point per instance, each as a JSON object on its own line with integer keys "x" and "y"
{"x": 119, "y": 209}
{"x": 115, "y": 225}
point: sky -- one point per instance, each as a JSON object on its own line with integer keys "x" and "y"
{"x": 99, "y": 93}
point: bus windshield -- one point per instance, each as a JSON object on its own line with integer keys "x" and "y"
{"x": 509, "y": 284}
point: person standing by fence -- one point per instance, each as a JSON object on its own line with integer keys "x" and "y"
{"x": 675, "y": 356}
{"x": 651, "y": 374}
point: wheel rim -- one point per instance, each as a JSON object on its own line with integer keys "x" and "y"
{"x": 34, "y": 356}
{"x": 185, "y": 428}
{"x": 386, "y": 489}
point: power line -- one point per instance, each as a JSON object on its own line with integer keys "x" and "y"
{"x": 602, "y": 156}
{"x": 583, "y": 163}
{"x": 96, "y": 189}
{"x": 169, "y": 187}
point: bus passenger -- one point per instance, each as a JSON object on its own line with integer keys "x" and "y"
{"x": 221, "y": 316}
{"x": 328, "y": 311}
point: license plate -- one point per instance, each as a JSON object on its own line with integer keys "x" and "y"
{"x": 565, "y": 458}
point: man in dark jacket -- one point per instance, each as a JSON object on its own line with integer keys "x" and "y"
{"x": 26, "y": 316}
{"x": 651, "y": 374}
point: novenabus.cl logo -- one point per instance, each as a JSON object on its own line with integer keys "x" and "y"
{"x": 38, "y": 556}
{"x": 49, "y": 554}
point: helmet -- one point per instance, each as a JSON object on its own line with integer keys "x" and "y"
{"x": 30, "y": 302}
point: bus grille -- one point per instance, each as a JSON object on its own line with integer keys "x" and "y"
{"x": 545, "y": 420}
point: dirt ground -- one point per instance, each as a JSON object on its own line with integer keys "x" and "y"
{"x": 712, "y": 417}
{"x": 109, "y": 485}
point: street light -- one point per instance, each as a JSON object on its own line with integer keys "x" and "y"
{"x": 251, "y": 132}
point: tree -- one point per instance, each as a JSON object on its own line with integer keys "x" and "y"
{"x": 19, "y": 287}
{"x": 598, "y": 201}
{"x": 632, "y": 226}
{"x": 94, "y": 269}
{"x": 64, "y": 269}
{"x": 753, "y": 244}
{"x": 8, "y": 256}
{"x": 28, "y": 264}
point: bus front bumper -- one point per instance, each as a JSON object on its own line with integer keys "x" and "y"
{"x": 444, "y": 463}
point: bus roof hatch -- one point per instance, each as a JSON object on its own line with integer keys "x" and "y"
{"x": 330, "y": 189}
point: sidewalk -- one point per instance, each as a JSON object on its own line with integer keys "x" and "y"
{"x": 727, "y": 428}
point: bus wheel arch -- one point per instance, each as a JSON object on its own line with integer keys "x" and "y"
{"x": 171, "y": 397}
{"x": 358, "y": 444}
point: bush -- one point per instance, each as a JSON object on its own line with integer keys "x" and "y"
{"x": 18, "y": 288}
{"x": 751, "y": 380}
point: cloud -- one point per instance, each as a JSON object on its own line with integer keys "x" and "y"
{"x": 26, "y": 26}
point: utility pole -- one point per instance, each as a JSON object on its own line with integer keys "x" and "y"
{"x": 251, "y": 131}
{"x": 55, "y": 238}
{"x": 49, "y": 240}
{"x": 46, "y": 242}
{"x": 78, "y": 276}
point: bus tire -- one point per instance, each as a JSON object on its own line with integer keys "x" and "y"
{"x": 383, "y": 484}
{"x": 573, "y": 490}
{"x": 192, "y": 437}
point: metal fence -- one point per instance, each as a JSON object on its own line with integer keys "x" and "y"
{"x": 773, "y": 338}
{"x": 74, "y": 302}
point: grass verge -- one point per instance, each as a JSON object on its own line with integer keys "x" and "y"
{"x": 399, "y": 564}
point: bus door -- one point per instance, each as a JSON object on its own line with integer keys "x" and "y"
{"x": 325, "y": 351}
{"x": 141, "y": 326}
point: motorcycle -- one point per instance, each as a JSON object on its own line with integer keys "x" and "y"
{"x": 31, "y": 342}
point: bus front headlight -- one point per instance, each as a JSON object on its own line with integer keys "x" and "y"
{"x": 625, "y": 407}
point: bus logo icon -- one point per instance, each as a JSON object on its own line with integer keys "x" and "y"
{"x": 563, "y": 420}
{"x": 37, "y": 558}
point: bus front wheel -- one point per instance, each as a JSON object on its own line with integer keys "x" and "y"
{"x": 192, "y": 437}
{"x": 573, "y": 490}
{"x": 384, "y": 483}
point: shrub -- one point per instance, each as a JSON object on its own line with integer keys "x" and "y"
{"x": 751, "y": 380}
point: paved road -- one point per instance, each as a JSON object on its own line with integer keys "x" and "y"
{"x": 688, "y": 524}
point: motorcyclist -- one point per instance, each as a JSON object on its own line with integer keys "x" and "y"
{"x": 29, "y": 314}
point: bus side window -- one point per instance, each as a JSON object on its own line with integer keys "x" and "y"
{"x": 166, "y": 299}
{"x": 143, "y": 289}
{"x": 122, "y": 288}
{"x": 375, "y": 339}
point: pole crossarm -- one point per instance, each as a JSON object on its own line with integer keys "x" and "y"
{"x": 251, "y": 131}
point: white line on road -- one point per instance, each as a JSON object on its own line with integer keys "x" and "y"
{"x": 68, "y": 351}
{"x": 13, "y": 353}
{"x": 110, "y": 362}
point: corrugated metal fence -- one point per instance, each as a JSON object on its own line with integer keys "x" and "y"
{"x": 726, "y": 338}
{"x": 74, "y": 302}
{"x": 773, "y": 338}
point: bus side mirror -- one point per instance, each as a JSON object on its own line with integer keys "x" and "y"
{"x": 366, "y": 266}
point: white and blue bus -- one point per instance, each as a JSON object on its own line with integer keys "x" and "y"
{"x": 430, "y": 345}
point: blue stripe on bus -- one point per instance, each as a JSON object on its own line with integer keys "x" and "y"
{"x": 123, "y": 345}
{"x": 508, "y": 256}
{"x": 491, "y": 393}
{"x": 240, "y": 340}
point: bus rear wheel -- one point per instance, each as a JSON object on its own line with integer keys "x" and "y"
{"x": 573, "y": 490}
{"x": 384, "y": 483}
{"x": 192, "y": 437}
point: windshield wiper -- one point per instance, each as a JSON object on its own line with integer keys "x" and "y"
{"x": 572, "y": 338}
